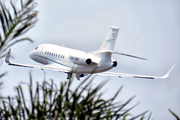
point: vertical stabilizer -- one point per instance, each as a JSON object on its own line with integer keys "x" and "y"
{"x": 111, "y": 39}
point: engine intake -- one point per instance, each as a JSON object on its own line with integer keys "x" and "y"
{"x": 114, "y": 63}
{"x": 88, "y": 61}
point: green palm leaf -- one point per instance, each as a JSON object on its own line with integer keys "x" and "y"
{"x": 174, "y": 114}
{"x": 15, "y": 22}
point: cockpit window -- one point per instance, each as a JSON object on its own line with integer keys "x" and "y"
{"x": 36, "y": 48}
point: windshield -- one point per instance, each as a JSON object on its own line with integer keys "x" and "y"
{"x": 36, "y": 48}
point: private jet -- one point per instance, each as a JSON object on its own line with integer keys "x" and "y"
{"x": 79, "y": 63}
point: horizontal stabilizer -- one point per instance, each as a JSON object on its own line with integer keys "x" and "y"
{"x": 129, "y": 55}
{"x": 110, "y": 51}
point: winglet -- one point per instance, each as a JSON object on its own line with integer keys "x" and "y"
{"x": 167, "y": 74}
{"x": 7, "y": 56}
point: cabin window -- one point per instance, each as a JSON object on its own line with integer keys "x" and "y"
{"x": 54, "y": 54}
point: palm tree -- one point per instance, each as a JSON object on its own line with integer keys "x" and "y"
{"x": 50, "y": 102}
{"x": 14, "y": 23}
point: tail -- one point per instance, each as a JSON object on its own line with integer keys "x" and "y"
{"x": 107, "y": 47}
{"x": 111, "y": 39}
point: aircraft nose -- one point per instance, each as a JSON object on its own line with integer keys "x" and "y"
{"x": 31, "y": 54}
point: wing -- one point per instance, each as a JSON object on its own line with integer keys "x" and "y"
{"x": 135, "y": 76}
{"x": 54, "y": 67}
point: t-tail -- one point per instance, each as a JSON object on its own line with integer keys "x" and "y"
{"x": 105, "y": 51}
{"x": 107, "y": 47}
{"x": 111, "y": 40}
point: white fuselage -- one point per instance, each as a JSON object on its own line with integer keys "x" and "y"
{"x": 75, "y": 60}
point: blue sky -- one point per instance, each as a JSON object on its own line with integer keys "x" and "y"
{"x": 148, "y": 29}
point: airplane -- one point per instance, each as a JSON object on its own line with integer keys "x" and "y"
{"x": 71, "y": 61}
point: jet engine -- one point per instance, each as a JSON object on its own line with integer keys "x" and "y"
{"x": 80, "y": 60}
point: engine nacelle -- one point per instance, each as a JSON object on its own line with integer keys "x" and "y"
{"x": 80, "y": 60}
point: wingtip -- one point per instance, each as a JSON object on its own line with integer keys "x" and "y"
{"x": 7, "y": 56}
{"x": 167, "y": 74}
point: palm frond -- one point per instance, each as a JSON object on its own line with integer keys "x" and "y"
{"x": 15, "y": 22}
{"x": 85, "y": 102}
{"x": 177, "y": 118}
